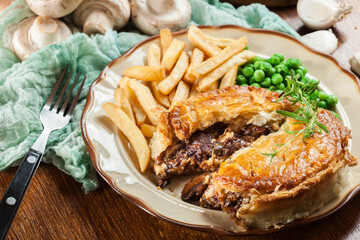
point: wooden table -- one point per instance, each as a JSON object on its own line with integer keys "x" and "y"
{"x": 56, "y": 207}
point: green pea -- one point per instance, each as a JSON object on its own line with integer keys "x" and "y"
{"x": 280, "y": 56}
{"x": 248, "y": 71}
{"x": 323, "y": 104}
{"x": 280, "y": 86}
{"x": 274, "y": 60}
{"x": 292, "y": 63}
{"x": 322, "y": 96}
{"x": 246, "y": 47}
{"x": 259, "y": 75}
{"x": 256, "y": 85}
{"x": 336, "y": 115}
{"x": 266, "y": 83}
{"x": 244, "y": 85}
{"x": 257, "y": 58}
{"x": 277, "y": 79}
{"x": 257, "y": 64}
{"x": 314, "y": 95}
{"x": 305, "y": 80}
{"x": 299, "y": 73}
{"x": 282, "y": 69}
{"x": 331, "y": 100}
{"x": 265, "y": 66}
{"x": 272, "y": 88}
{"x": 304, "y": 69}
{"x": 241, "y": 79}
{"x": 271, "y": 72}
{"x": 249, "y": 65}
{"x": 251, "y": 80}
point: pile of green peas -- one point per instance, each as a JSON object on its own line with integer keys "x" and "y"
{"x": 271, "y": 74}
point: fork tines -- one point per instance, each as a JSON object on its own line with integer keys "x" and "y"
{"x": 65, "y": 109}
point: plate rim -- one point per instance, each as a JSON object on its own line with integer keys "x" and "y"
{"x": 205, "y": 228}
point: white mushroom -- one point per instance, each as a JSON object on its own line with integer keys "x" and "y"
{"x": 53, "y": 8}
{"x": 152, "y": 15}
{"x": 36, "y": 32}
{"x": 96, "y": 16}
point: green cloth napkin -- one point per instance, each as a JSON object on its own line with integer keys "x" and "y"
{"x": 25, "y": 86}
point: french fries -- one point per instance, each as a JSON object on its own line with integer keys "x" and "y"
{"x": 216, "y": 60}
{"x": 154, "y": 55}
{"x": 147, "y": 101}
{"x": 123, "y": 101}
{"x": 173, "y": 79}
{"x": 165, "y": 39}
{"x": 217, "y": 73}
{"x": 176, "y": 74}
{"x": 146, "y": 73}
{"x": 220, "y": 42}
{"x": 199, "y": 40}
{"x": 131, "y": 131}
{"x": 181, "y": 94}
{"x": 197, "y": 57}
{"x": 229, "y": 78}
{"x": 147, "y": 130}
{"x": 172, "y": 54}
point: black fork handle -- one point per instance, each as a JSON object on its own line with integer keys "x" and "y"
{"x": 12, "y": 199}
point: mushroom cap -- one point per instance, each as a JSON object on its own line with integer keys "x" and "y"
{"x": 117, "y": 12}
{"x": 36, "y": 32}
{"x": 53, "y": 8}
{"x": 150, "y": 16}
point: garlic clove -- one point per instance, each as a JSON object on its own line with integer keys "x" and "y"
{"x": 323, "y": 41}
{"x": 321, "y": 14}
{"x": 355, "y": 62}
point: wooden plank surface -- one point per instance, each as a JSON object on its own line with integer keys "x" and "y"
{"x": 56, "y": 207}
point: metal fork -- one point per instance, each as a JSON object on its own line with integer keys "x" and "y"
{"x": 52, "y": 118}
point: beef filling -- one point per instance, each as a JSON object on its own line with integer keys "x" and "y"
{"x": 205, "y": 149}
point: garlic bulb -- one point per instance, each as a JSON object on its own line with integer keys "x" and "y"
{"x": 321, "y": 14}
{"x": 323, "y": 41}
{"x": 355, "y": 63}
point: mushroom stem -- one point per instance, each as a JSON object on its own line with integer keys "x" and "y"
{"x": 160, "y": 6}
{"x": 43, "y": 31}
{"x": 97, "y": 22}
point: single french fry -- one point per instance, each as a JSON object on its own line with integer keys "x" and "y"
{"x": 197, "y": 57}
{"x": 181, "y": 94}
{"x": 172, "y": 54}
{"x": 198, "y": 39}
{"x": 146, "y": 73}
{"x": 229, "y": 78}
{"x": 171, "y": 95}
{"x": 220, "y": 42}
{"x": 194, "y": 88}
{"x": 176, "y": 74}
{"x": 217, "y": 73}
{"x": 154, "y": 55}
{"x": 161, "y": 98}
{"x": 131, "y": 131}
{"x": 140, "y": 115}
{"x": 122, "y": 99}
{"x": 147, "y": 101}
{"x": 216, "y": 60}
{"x": 147, "y": 130}
{"x": 165, "y": 39}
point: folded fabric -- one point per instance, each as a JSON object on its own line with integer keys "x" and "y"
{"x": 25, "y": 86}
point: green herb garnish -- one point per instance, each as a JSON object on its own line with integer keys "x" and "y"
{"x": 299, "y": 93}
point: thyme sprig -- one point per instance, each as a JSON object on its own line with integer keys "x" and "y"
{"x": 299, "y": 93}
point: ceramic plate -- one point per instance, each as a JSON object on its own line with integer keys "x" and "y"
{"x": 116, "y": 162}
